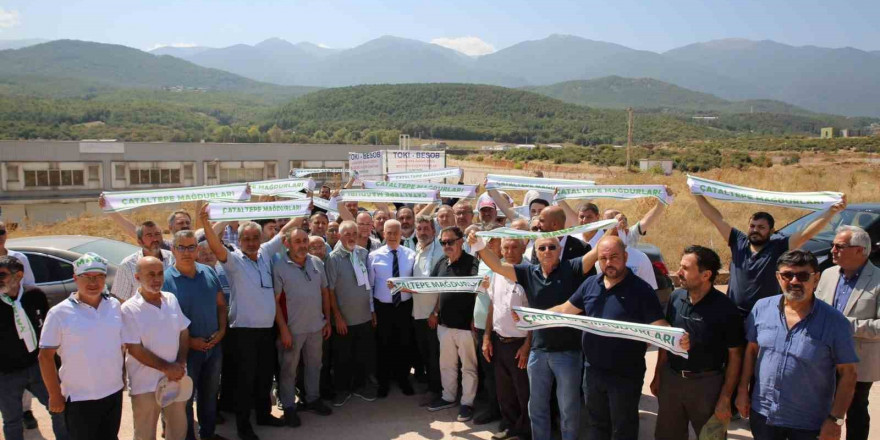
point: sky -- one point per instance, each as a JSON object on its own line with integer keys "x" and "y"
{"x": 472, "y": 26}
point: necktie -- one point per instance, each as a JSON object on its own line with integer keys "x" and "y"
{"x": 395, "y": 272}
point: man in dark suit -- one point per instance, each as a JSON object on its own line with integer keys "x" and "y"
{"x": 551, "y": 219}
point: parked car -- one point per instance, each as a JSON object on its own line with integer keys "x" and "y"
{"x": 863, "y": 215}
{"x": 665, "y": 285}
{"x": 51, "y": 258}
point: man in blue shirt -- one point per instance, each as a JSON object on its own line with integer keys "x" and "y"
{"x": 614, "y": 368}
{"x": 202, "y": 301}
{"x": 802, "y": 356}
{"x": 754, "y": 254}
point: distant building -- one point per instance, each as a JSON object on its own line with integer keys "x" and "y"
{"x": 495, "y": 147}
{"x": 555, "y": 146}
{"x": 829, "y": 132}
{"x": 526, "y": 146}
{"x": 663, "y": 164}
{"x": 704, "y": 118}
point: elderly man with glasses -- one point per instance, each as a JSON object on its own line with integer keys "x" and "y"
{"x": 852, "y": 286}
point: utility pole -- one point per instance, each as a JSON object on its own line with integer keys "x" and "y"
{"x": 629, "y": 135}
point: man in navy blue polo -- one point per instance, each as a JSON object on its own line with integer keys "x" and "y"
{"x": 614, "y": 368}
{"x": 801, "y": 353}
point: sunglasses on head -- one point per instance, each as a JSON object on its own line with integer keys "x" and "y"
{"x": 549, "y": 247}
{"x": 801, "y": 276}
{"x": 448, "y": 242}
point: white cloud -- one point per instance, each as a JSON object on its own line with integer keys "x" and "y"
{"x": 323, "y": 46}
{"x": 158, "y": 45}
{"x": 9, "y": 18}
{"x": 472, "y": 46}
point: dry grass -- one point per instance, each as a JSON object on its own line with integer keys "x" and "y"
{"x": 682, "y": 224}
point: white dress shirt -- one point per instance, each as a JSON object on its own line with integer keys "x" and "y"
{"x": 426, "y": 259}
{"x": 379, "y": 266}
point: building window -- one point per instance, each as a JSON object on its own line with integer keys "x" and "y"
{"x": 120, "y": 171}
{"x": 235, "y": 175}
{"x": 53, "y": 178}
{"x": 270, "y": 171}
{"x": 188, "y": 171}
{"x": 94, "y": 173}
{"x": 212, "y": 170}
{"x": 154, "y": 176}
{"x": 12, "y": 173}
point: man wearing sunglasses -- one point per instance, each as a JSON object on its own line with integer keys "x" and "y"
{"x": 456, "y": 311}
{"x": 853, "y": 288}
{"x": 555, "y": 352}
{"x": 801, "y": 353}
{"x": 199, "y": 292}
{"x": 149, "y": 237}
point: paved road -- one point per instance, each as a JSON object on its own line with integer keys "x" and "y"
{"x": 400, "y": 417}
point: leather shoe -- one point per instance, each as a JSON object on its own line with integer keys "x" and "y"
{"x": 270, "y": 421}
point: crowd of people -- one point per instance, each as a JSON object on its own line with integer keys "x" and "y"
{"x": 301, "y": 311}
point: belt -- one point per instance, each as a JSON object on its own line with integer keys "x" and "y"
{"x": 504, "y": 340}
{"x": 685, "y": 374}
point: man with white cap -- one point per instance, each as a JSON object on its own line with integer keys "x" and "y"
{"x": 156, "y": 335}
{"x": 85, "y": 330}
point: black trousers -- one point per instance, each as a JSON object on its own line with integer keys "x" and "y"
{"x": 353, "y": 356}
{"x": 488, "y": 375}
{"x": 393, "y": 331}
{"x": 612, "y": 405}
{"x": 94, "y": 419}
{"x": 227, "y": 374}
{"x": 858, "y": 420}
{"x": 512, "y": 385}
{"x": 255, "y": 360}
{"x": 429, "y": 350}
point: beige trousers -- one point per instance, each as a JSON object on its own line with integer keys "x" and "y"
{"x": 145, "y": 412}
{"x": 457, "y": 345}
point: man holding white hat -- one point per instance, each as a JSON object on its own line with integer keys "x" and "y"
{"x": 85, "y": 330}
{"x": 156, "y": 336}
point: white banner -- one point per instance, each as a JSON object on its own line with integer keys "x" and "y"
{"x": 303, "y": 172}
{"x": 667, "y": 338}
{"x": 389, "y": 196}
{"x": 437, "y": 284}
{"x": 443, "y": 173}
{"x": 454, "y": 191}
{"x": 529, "y": 235}
{"x": 122, "y": 200}
{"x": 498, "y": 181}
{"x": 281, "y": 186}
{"x": 413, "y": 160}
{"x": 626, "y": 192}
{"x": 224, "y": 212}
{"x": 327, "y": 205}
{"x": 367, "y": 165}
{"x": 815, "y": 201}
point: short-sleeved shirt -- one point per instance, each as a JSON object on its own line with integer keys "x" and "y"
{"x": 456, "y": 308}
{"x": 197, "y": 297}
{"x": 124, "y": 283}
{"x": 354, "y": 300}
{"x": 89, "y": 342}
{"x": 714, "y": 325}
{"x": 630, "y": 300}
{"x": 302, "y": 288}
{"x": 753, "y": 275}
{"x": 158, "y": 330}
{"x": 14, "y": 355}
{"x": 252, "y": 298}
{"x": 544, "y": 293}
{"x": 505, "y": 295}
{"x": 795, "y": 373}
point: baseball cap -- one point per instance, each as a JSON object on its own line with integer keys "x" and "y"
{"x": 88, "y": 263}
{"x": 168, "y": 391}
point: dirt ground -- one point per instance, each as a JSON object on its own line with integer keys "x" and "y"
{"x": 400, "y": 417}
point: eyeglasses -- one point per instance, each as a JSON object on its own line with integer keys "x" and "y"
{"x": 186, "y": 248}
{"x": 840, "y": 247}
{"x": 801, "y": 276}
{"x": 448, "y": 242}
{"x": 93, "y": 278}
{"x": 551, "y": 247}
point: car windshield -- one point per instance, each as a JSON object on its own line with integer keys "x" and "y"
{"x": 114, "y": 251}
{"x": 862, "y": 219}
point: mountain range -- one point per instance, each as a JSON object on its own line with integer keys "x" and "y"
{"x": 841, "y": 81}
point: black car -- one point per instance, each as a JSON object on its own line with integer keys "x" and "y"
{"x": 51, "y": 258}
{"x": 863, "y": 215}
{"x": 665, "y": 286}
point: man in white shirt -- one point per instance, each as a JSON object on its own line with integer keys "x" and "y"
{"x": 393, "y": 311}
{"x": 428, "y": 253}
{"x": 149, "y": 236}
{"x": 28, "y": 279}
{"x": 156, "y": 336}
{"x": 85, "y": 331}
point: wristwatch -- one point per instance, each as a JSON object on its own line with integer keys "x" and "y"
{"x": 837, "y": 420}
